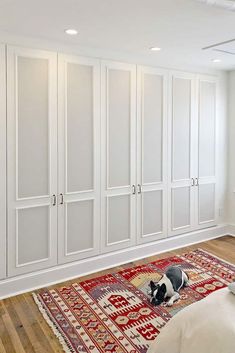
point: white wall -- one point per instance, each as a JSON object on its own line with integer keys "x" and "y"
{"x": 222, "y": 146}
{"x": 231, "y": 150}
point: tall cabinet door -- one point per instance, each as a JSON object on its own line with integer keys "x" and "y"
{"x": 2, "y": 162}
{"x": 182, "y": 154}
{"x": 32, "y": 159}
{"x": 206, "y": 181}
{"x": 79, "y": 158}
{"x": 152, "y": 154}
{"x": 118, "y": 194}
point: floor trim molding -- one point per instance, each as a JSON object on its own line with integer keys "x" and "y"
{"x": 32, "y": 281}
{"x": 231, "y": 229}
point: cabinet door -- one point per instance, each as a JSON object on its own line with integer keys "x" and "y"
{"x": 2, "y": 162}
{"x": 182, "y": 153}
{"x": 32, "y": 159}
{"x": 79, "y": 158}
{"x": 206, "y": 190}
{"x": 118, "y": 155}
{"x": 152, "y": 154}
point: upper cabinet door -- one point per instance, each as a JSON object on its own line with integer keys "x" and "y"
{"x": 32, "y": 159}
{"x": 152, "y": 154}
{"x": 206, "y": 191}
{"x": 182, "y": 153}
{"x": 79, "y": 158}
{"x": 118, "y": 191}
{"x": 2, "y": 162}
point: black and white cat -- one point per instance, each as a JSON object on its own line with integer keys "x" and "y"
{"x": 168, "y": 286}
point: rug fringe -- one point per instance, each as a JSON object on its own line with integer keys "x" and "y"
{"x": 53, "y": 326}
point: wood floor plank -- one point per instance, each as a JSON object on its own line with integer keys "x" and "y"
{"x": 5, "y": 338}
{"x": 2, "y": 349}
{"x": 40, "y": 324}
{"x": 10, "y": 328}
{"x": 17, "y": 320}
{"x": 24, "y": 330}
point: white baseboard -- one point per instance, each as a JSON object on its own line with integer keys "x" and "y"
{"x": 61, "y": 273}
{"x": 231, "y": 229}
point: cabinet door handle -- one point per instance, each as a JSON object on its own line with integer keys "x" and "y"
{"x": 192, "y": 182}
{"x": 54, "y": 200}
{"x": 61, "y": 199}
{"x": 139, "y": 189}
{"x": 197, "y": 182}
{"x": 133, "y": 190}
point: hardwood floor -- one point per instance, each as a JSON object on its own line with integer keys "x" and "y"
{"x": 23, "y": 329}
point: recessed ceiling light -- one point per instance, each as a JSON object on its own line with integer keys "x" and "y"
{"x": 216, "y": 60}
{"x": 155, "y": 48}
{"x": 71, "y": 31}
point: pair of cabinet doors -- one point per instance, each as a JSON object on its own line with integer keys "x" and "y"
{"x": 77, "y": 183}
{"x": 192, "y": 202}
{"x": 87, "y": 149}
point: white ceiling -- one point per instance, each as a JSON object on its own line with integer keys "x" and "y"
{"x": 180, "y": 27}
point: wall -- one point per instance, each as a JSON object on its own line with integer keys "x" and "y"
{"x": 231, "y": 150}
{"x": 222, "y": 146}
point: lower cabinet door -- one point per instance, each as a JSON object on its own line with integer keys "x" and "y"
{"x": 2, "y": 163}
{"x": 32, "y": 160}
{"x": 152, "y": 214}
{"x": 79, "y": 158}
{"x": 206, "y": 210}
{"x": 182, "y": 203}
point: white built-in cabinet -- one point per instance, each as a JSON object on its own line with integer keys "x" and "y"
{"x": 78, "y": 157}
{"x": 192, "y": 157}
{"x": 101, "y": 156}
{"x": 2, "y": 162}
{"x": 31, "y": 159}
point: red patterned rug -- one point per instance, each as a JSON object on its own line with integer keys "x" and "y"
{"x": 112, "y": 313}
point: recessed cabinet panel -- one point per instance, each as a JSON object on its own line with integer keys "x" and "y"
{"x": 36, "y": 219}
{"x": 207, "y": 129}
{"x": 32, "y": 159}
{"x": 80, "y": 226}
{"x": 80, "y": 126}
{"x": 181, "y": 208}
{"x": 152, "y": 213}
{"x": 119, "y": 125}
{"x": 79, "y": 158}
{"x": 119, "y": 216}
{"x": 33, "y": 127}
{"x": 181, "y": 128}
{"x": 206, "y": 203}
{"x": 152, "y": 128}
{"x": 3, "y": 248}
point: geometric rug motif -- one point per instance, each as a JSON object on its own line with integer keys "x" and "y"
{"x": 112, "y": 313}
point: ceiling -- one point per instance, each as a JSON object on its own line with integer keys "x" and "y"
{"x": 180, "y": 27}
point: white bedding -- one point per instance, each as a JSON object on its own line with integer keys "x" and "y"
{"x": 207, "y": 326}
